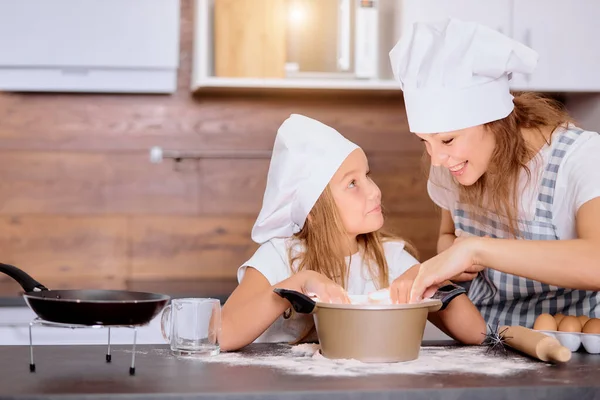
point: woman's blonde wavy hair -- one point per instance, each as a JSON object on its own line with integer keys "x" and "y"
{"x": 510, "y": 157}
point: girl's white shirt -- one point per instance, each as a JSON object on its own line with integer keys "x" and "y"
{"x": 272, "y": 261}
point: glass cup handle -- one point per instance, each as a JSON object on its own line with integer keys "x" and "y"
{"x": 165, "y": 323}
{"x": 214, "y": 325}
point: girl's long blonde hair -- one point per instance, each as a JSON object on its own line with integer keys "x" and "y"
{"x": 324, "y": 246}
{"x": 511, "y": 156}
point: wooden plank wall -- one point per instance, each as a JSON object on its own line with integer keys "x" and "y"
{"x": 81, "y": 206}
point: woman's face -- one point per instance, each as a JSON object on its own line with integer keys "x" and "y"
{"x": 465, "y": 152}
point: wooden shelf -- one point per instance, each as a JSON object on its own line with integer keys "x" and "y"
{"x": 203, "y": 80}
{"x": 241, "y": 85}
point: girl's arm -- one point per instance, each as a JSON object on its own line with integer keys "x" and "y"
{"x": 446, "y": 237}
{"x": 573, "y": 264}
{"x": 253, "y": 306}
{"x": 251, "y": 309}
{"x": 460, "y": 320}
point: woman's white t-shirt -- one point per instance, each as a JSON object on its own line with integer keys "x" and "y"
{"x": 578, "y": 182}
{"x": 272, "y": 260}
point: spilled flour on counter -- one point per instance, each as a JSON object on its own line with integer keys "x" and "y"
{"x": 306, "y": 359}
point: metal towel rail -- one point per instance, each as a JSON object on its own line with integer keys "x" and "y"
{"x": 158, "y": 154}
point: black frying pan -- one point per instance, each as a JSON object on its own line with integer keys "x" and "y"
{"x": 87, "y": 307}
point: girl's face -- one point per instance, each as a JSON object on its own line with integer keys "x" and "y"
{"x": 465, "y": 152}
{"x": 356, "y": 196}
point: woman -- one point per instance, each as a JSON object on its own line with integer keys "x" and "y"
{"x": 517, "y": 181}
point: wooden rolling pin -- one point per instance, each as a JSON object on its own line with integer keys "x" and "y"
{"x": 535, "y": 344}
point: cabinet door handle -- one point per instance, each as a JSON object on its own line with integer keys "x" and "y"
{"x": 344, "y": 35}
{"x": 527, "y": 42}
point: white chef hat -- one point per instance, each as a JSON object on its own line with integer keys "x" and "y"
{"x": 455, "y": 74}
{"x": 306, "y": 155}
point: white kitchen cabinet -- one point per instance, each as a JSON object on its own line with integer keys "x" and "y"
{"x": 566, "y": 35}
{"x": 14, "y": 330}
{"x": 89, "y": 45}
{"x": 494, "y": 13}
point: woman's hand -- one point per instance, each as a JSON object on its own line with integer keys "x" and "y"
{"x": 455, "y": 260}
{"x": 314, "y": 283}
{"x": 473, "y": 270}
{"x": 399, "y": 290}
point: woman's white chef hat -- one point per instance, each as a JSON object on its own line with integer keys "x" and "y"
{"x": 306, "y": 155}
{"x": 455, "y": 74}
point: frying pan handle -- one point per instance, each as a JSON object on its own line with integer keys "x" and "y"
{"x": 27, "y": 282}
{"x": 299, "y": 301}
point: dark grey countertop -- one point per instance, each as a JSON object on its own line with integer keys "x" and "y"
{"x": 81, "y": 372}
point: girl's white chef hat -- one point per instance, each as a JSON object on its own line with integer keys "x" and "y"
{"x": 455, "y": 74}
{"x": 306, "y": 155}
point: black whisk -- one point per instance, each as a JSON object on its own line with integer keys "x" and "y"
{"x": 496, "y": 340}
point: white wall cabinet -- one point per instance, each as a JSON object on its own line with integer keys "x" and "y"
{"x": 89, "y": 45}
{"x": 564, "y": 33}
{"x": 494, "y": 13}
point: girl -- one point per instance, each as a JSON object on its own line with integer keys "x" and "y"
{"x": 318, "y": 232}
{"x": 517, "y": 181}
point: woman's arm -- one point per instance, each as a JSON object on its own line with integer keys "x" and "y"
{"x": 571, "y": 264}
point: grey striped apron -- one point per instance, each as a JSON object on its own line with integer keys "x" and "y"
{"x": 511, "y": 300}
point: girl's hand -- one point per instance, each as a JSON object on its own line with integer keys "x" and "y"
{"x": 314, "y": 283}
{"x": 455, "y": 260}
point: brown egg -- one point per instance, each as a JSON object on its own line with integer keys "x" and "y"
{"x": 558, "y": 317}
{"x": 569, "y": 324}
{"x": 583, "y": 319}
{"x": 545, "y": 322}
{"x": 592, "y": 326}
